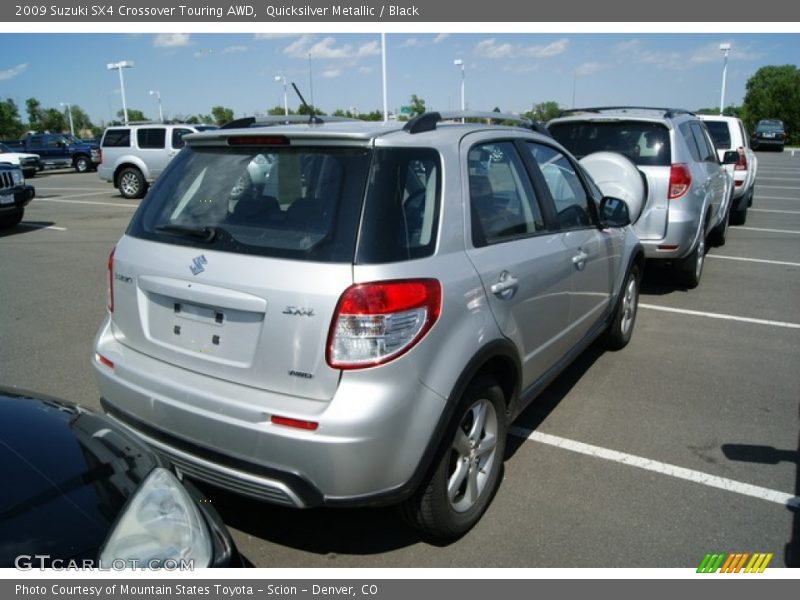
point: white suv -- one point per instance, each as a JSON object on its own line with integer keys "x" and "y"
{"x": 132, "y": 156}
{"x": 729, "y": 133}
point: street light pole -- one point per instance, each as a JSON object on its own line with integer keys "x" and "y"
{"x": 157, "y": 94}
{"x": 383, "y": 76}
{"x": 460, "y": 63}
{"x": 726, "y": 48}
{"x": 285, "y": 96}
{"x": 69, "y": 114}
{"x": 123, "y": 64}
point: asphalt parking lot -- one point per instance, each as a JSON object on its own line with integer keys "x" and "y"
{"x": 684, "y": 443}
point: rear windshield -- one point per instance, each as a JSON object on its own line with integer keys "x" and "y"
{"x": 300, "y": 203}
{"x": 719, "y": 133}
{"x": 769, "y": 126}
{"x": 645, "y": 143}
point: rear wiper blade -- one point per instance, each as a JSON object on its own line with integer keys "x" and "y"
{"x": 204, "y": 234}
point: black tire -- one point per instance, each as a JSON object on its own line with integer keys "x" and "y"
{"x": 719, "y": 235}
{"x": 739, "y": 213}
{"x": 82, "y": 164}
{"x": 620, "y": 329}
{"x": 689, "y": 270}
{"x": 474, "y": 475}
{"x": 131, "y": 183}
{"x": 8, "y": 221}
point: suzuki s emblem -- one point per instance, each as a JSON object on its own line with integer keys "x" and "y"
{"x": 197, "y": 264}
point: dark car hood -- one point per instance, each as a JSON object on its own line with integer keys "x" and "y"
{"x": 66, "y": 473}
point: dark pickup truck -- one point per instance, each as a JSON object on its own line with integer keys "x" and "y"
{"x": 57, "y": 150}
{"x": 15, "y": 195}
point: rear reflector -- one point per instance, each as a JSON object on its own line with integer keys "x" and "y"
{"x": 258, "y": 140}
{"x": 667, "y": 247}
{"x": 103, "y": 360}
{"x": 741, "y": 164}
{"x": 738, "y": 183}
{"x": 296, "y": 423}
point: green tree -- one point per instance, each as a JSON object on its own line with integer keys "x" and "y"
{"x": 222, "y": 115}
{"x": 54, "y": 121}
{"x": 544, "y": 111}
{"x": 34, "y": 110}
{"x": 278, "y": 110}
{"x": 10, "y": 124}
{"x": 773, "y": 92}
{"x": 80, "y": 119}
{"x": 306, "y": 110}
{"x": 133, "y": 115}
{"x": 416, "y": 106}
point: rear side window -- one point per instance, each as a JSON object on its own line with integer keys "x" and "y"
{"x": 645, "y": 143}
{"x": 503, "y": 205}
{"x": 720, "y": 133}
{"x": 117, "y": 138}
{"x": 401, "y": 214}
{"x": 151, "y": 138}
{"x": 290, "y": 202}
{"x": 704, "y": 146}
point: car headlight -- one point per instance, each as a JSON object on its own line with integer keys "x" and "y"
{"x": 161, "y": 523}
{"x": 17, "y": 177}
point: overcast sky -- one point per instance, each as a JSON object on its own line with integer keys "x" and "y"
{"x": 196, "y": 71}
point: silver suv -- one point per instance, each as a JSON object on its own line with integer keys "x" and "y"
{"x": 352, "y": 313}
{"x": 688, "y": 192}
{"x": 132, "y": 156}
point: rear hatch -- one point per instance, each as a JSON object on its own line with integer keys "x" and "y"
{"x": 234, "y": 263}
{"x": 646, "y": 143}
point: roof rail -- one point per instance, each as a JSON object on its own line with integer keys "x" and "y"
{"x": 272, "y": 120}
{"x": 667, "y": 112}
{"x": 427, "y": 121}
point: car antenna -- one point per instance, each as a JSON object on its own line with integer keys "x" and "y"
{"x": 313, "y": 119}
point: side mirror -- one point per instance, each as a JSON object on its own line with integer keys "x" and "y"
{"x": 731, "y": 157}
{"x": 614, "y": 212}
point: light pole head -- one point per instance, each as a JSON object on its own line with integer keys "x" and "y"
{"x": 155, "y": 93}
{"x": 458, "y": 62}
{"x": 279, "y": 77}
{"x": 123, "y": 64}
{"x": 725, "y": 47}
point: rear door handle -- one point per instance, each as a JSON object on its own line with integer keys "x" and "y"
{"x": 506, "y": 286}
{"x": 579, "y": 260}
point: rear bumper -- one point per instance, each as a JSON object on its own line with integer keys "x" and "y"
{"x": 105, "y": 173}
{"x": 371, "y": 439}
{"x": 683, "y": 229}
{"x": 767, "y": 143}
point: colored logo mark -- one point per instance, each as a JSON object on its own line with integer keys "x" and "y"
{"x": 735, "y": 562}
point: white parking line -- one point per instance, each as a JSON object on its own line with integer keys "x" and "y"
{"x": 773, "y": 178}
{"x": 778, "y": 187}
{"x": 755, "y": 260}
{"x": 723, "y": 316}
{"x": 631, "y": 460}
{"x": 115, "y": 204}
{"x": 69, "y": 189}
{"x": 784, "y": 212}
{"x": 766, "y": 230}
{"x": 81, "y": 195}
{"x": 776, "y": 198}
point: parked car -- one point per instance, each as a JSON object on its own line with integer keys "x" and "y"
{"x": 769, "y": 133}
{"x": 361, "y": 324}
{"x": 729, "y": 133}
{"x": 58, "y": 151}
{"x": 688, "y": 190}
{"x": 29, "y": 163}
{"x": 133, "y": 156}
{"x": 77, "y": 487}
{"x": 15, "y": 195}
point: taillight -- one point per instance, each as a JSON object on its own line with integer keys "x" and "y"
{"x": 100, "y": 157}
{"x": 377, "y": 322}
{"x": 741, "y": 164}
{"x": 111, "y": 280}
{"x": 680, "y": 178}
